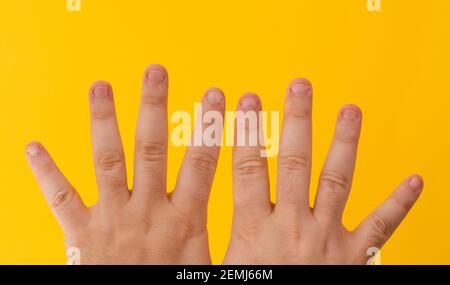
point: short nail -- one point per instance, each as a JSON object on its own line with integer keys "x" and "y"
{"x": 101, "y": 92}
{"x": 250, "y": 103}
{"x": 415, "y": 183}
{"x": 155, "y": 76}
{"x": 350, "y": 114}
{"x": 301, "y": 90}
{"x": 33, "y": 150}
{"x": 214, "y": 97}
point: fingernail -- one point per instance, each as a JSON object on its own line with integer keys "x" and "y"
{"x": 155, "y": 76}
{"x": 101, "y": 92}
{"x": 415, "y": 182}
{"x": 350, "y": 114}
{"x": 250, "y": 103}
{"x": 214, "y": 96}
{"x": 301, "y": 90}
{"x": 33, "y": 150}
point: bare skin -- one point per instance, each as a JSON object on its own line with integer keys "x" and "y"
{"x": 148, "y": 226}
{"x": 145, "y": 225}
{"x": 290, "y": 231}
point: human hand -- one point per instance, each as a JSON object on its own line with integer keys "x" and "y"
{"x": 291, "y": 232}
{"x": 145, "y": 226}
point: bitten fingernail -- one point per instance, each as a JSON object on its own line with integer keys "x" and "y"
{"x": 100, "y": 92}
{"x": 250, "y": 102}
{"x": 415, "y": 182}
{"x": 33, "y": 150}
{"x": 155, "y": 76}
{"x": 350, "y": 114}
{"x": 301, "y": 90}
{"x": 214, "y": 96}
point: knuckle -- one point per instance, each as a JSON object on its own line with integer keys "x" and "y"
{"x": 402, "y": 205}
{"x": 102, "y": 114}
{"x": 292, "y": 228}
{"x": 186, "y": 226}
{"x": 248, "y": 231}
{"x": 202, "y": 195}
{"x": 115, "y": 181}
{"x": 289, "y": 185}
{"x": 45, "y": 169}
{"x": 293, "y": 112}
{"x": 62, "y": 196}
{"x": 153, "y": 98}
{"x": 335, "y": 182}
{"x": 293, "y": 162}
{"x": 155, "y": 176}
{"x": 203, "y": 162}
{"x": 110, "y": 160}
{"x": 249, "y": 166}
{"x": 348, "y": 134}
{"x": 244, "y": 206}
{"x": 154, "y": 173}
{"x": 293, "y": 234}
{"x": 150, "y": 151}
{"x": 141, "y": 223}
{"x": 381, "y": 229}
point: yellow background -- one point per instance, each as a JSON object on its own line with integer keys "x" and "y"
{"x": 394, "y": 64}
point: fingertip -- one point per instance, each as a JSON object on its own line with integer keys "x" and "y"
{"x": 215, "y": 96}
{"x": 38, "y": 158}
{"x": 351, "y": 112}
{"x": 100, "y": 89}
{"x": 155, "y": 73}
{"x": 348, "y": 127}
{"x": 249, "y": 101}
{"x": 33, "y": 149}
{"x": 300, "y": 87}
{"x": 416, "y": 183}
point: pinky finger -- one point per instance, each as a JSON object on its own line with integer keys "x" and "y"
{"x": 61, "y": 197}
{"x": 381, "y": 224}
